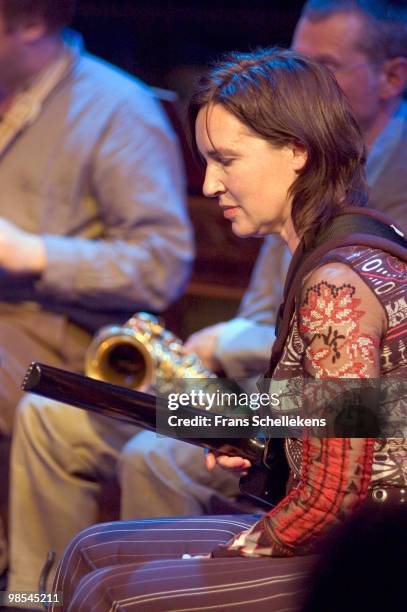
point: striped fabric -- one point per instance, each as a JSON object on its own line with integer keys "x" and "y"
{"x": 138, "y": 565}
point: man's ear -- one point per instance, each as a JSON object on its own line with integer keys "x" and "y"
{"x": 32, "y": 30}
{"x": 300, "y": 156}
{"x": 394, "y": 77}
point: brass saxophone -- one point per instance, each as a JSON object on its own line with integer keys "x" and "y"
{"x": 142, "y": 355}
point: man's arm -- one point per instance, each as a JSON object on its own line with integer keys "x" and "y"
{"x": 143, "y": 254}
{"x": 242, "y": 346}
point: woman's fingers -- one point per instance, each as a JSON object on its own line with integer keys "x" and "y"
{"x": 210, "y": 459}
{"x": 235, "y": 464}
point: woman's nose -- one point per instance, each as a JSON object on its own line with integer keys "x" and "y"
{"x": 212, "y": 186}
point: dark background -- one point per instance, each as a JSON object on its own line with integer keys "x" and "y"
{"x": 160, "y": 40}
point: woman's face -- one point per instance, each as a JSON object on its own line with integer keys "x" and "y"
{"x": 248, "y": 175}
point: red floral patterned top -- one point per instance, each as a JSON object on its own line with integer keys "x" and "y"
{"x": 350, "y": 322}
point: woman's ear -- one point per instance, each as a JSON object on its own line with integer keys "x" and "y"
{"x": 300, "y": 156}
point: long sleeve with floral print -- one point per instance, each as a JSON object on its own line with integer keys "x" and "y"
{"x": 341, "y": 323}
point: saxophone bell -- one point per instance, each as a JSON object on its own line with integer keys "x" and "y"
{"x": 141, "y": 355}
{"x": 119, "y": 355}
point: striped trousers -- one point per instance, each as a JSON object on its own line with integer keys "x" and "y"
{"x": 138, "y": 566}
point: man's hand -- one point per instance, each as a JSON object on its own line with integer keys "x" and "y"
{"x": 203, "y": 344}
{"x": 232, "y": 464}
{"x": 19, "y": 250}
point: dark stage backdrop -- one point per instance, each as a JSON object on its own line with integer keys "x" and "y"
{"x": 165, "y": 42}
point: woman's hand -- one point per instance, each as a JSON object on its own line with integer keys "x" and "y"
{"x": 232, "y": 464}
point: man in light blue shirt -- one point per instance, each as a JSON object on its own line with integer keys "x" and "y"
{"x": 93, "y": 224}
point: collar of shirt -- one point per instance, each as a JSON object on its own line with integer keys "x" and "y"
{"x": 27, "y": 104}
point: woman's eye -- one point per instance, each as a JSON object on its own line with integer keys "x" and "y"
{"x": 226, "y": 162}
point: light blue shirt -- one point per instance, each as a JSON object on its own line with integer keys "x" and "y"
{"x": 99, "y": 175}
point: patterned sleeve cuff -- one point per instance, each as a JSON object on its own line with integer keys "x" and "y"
{"x": 242, "y": 545}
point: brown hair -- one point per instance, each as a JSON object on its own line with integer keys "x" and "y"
{"x": 288, "y": 99}
{"x": 56, "y": 13}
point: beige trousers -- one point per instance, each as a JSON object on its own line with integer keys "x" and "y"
{"x": 60, "y": 458}
{"x": 62, "y": 455}
{"x": 27, "y": 333}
